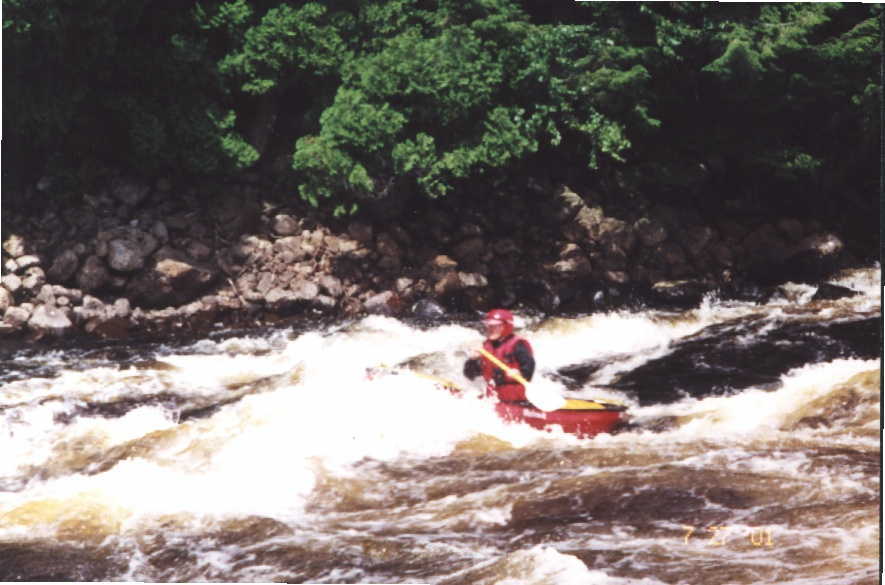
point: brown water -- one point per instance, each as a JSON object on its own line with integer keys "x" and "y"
{"x": 271, "y": 457}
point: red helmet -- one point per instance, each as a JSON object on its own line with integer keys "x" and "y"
{"x": 502, "y": 316}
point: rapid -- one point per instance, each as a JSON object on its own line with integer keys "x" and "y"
{"x": 333, "y": 454}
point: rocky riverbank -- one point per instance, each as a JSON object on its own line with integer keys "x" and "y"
{"x": 146, "y": 259}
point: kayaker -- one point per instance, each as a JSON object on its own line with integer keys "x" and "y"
{"x": 508, "y": 347}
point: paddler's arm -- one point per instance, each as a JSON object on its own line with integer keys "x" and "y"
{"x": 525, "y": 359}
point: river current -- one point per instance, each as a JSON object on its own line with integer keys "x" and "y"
{"x": 272, "y": 456}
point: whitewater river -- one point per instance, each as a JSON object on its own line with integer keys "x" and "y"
{"x": 752, "y": 456}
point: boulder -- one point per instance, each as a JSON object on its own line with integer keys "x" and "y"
{"x": 16, "y": 316}
{"x": 505, "y": 247}
{"x": 649, "y": 231}
{"x": 587, "y": 221}
{"x": 34, "y": 278}
{"x": 388, "y": 248}
{"x": 428, "y": 309}
{"x": 619, "y": 277}
{"x": 285, "y": 225}
{"x": 266, "y": 282}
{"x": 695, "y": 239}
{"x": 64, "y": 266}
{"x": 128, "y": 251}
{"x": 121, "y": 308}
{"x": 172, "y": 279}
{"x": 279, "y": 299}
{"x": 11, "y": 266}
{"x": 331, "y": 285}
{"x": 680, "y": 293}
{"x": 814, "y": 258}
{"x": 46, "y": 295}
{"x": 571, "y": 267}
{"x": 93, "y": 274}
{"x": 198, "y": 250}
{"x": 791, "y": 228}
{"x": 74, "y": 294}
{"x": 11, "y": 282}
{"x": 129, "y": 191}
{"x": 50, "y": 319}
{"x": 304, "y": 290}
{"x": 361, "y": 232}
{"x": 27, "y": 261}
{"x": 161, "y": 232}
{"x": 6, "y": 299}
{"x": 469, "y": 251}
{"x": 568, "y": 204}
{"x": 385, "y": 303}
{"x": 615, "y": 235}
{"x": 15, "y": 246}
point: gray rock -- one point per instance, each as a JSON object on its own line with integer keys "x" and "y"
{"x": 121, "y": 307}
{"x": 569, "y": 203}
{"x": 791, "y": 228}
{"x": 388, "y": 248}
{"x": 16, "y": 316}
{"x": 75, "y": 295}
{"x": 304, "y": 289}
{"x": 93, "y": 275}
{"x": 172, "y": 279}
{"x": 385, "y": 303}
{"x": 469, "y": 250}
{"x": 15, "y": 246}
{"x": 681, "y": 293}
{"x": 265, "y": 283}
{"x": 331, "y": 285}
{"x": 199, "y": 250}
{"x": 128, "y": 254}
{"x": 64, "y": 266}
{"x": 505, "y": 247}
{"x": 360, "y": 232}
{"x": 324, "y": 303}
{"x": 161, "y": 232}
{"x": 285, "y": 225}
{"x": 46, "y": 295}
{"x": 33, "y": 279}
{"x": 50, "y": 319}
{"x": 11, "y": 266}
{"x": 650, "y": 232}
{"x": 588, "y": 220}
{"x": 428, "y": 309}
{"x": 12, "y": 282}
{"x": 129, "y": 191}
{"x": 6, "y": 299}
{"x": 27, "y": 261}
{"x": 472, "y": 280}
{"x": 572, "y": 267}
{"x": 91, "y": 303}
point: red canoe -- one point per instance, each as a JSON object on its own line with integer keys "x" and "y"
{"x": 584, "y": 418}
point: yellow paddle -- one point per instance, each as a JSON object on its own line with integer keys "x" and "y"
{"x": 539, "y": 396}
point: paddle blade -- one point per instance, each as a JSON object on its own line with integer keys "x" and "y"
{"x": 544, "y": 395}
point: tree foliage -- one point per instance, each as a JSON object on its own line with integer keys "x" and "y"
{"x": 367, "y": 98}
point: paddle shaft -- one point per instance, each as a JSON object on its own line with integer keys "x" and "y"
{"x": 515, "y": 374}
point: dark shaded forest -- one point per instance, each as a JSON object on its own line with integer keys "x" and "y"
{"x": 724, "y": 107}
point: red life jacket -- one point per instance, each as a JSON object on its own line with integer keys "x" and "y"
{"x": 510, "y": 390}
